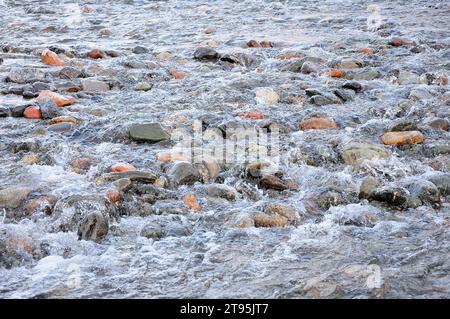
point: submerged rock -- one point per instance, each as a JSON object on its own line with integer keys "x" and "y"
{"x": 206, "y": 54}
{"x": 353, "y": 152}
{"x": 148, "y": 132}
{"x": 94, "y": 226}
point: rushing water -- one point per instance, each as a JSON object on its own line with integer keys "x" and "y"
{"x": 328, "y": 254}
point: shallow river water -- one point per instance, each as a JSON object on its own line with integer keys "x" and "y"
{"x": 339, "y": 244}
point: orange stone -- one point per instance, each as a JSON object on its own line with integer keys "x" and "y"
{"x": 32, "y": 112}
{"x": 51, "y": 58}
{"x": 122, "y": 167}
{"x": 88, "y": 9}
{"x": 179, "y": 75}
{"x": 113, "y": 195}
{"x": 60, "y": 119}
{"x": 368, "y": 51}
{"x": 82, "y": 163}
{"x": 96, "y": 54}
{"x": 336, "y": 73}
{"x": 317, "y": 123}
{"x": 59, "y": 99}
{"x": 252, "y": 115}
{"x": 190, "y": 200}
{"x": 253, "y": 44}
{"x": 402, "y": 137}
{"x": 266, "y": 44}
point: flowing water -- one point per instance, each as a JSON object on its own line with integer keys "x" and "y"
{"x": 353, "y": 248}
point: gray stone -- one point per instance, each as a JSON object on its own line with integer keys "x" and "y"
{"x": 48, "y": 107}
{"x": 354, "y": 151}
{"x": 91, "y": 85}
{"x": 426, "y": 191}
{"x": 402, "y": 125}
{"x": 324, "y": 99}
{"x": 138, "y": 176}
{"x": 25, "y": 75}
{"x": 222, "y": 191}
{"x": 394, "y": 195}
{"x": 69, "y": 72}
{"x": 206, "y": 54}
{"x": 368, "y": 184}
{"x": 123, "y": 184}
{"x": 143, "y": 86}
{"x": 13, "y": 197}
{"x": 152, "y": 231}
{"x": 442, "y": 182}
{"x": 297, "y": 64}
{"x": 183, "y": 173}
{"x": 352, "y": 85}
{"x": 140, "y": 50}
{"x": 345, "y": 94}
{"x": 309, "y": 67}
{"x": 149, "y": 132}
{"x": 61, "y": 127}
{"x": 94, "y": 226}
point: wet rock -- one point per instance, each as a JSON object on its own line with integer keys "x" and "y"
{"x": 72, "y": 213}
{"x": 328, "y": 198}
{"x": 324, "y": 99}
{"x": 43, "y": 204}
{"x": 143, "y": 86}
{"x": 407, "y": 77}
{"x": 248, "y": 190}
{"x": 273, "y": 182}
{"x": 40, "y": 86}
{"x": 17, "y": 111}
{"x": 253, "y": 44}
{"x": 309, "y": 67}
{"x": 442, "y": 182}
{"x": 123, "y": 184}
{"x": 13, "y": 197}
{"x": 140, "y": 50}
{"x": 266, "y": 95}
{"x": 398, "y": 41}
{"x": 365, "y": 75}
{"x": 51, "y": 58}
{"x": 354, "y": 152}
{"x": 61, "y": 127}
{"x": 352, "y": 85}
{"x": 177, "y": 74}
{"x": 152, "y": 231}
{"x": 139, "y": 176}
{"x": 113, "y": 195}
{"x": 91, "y": 85}
{"x": 348, "y": 64}
{"x": 336, "y": 73}
{"x": 49, "y": 109}
{"x": 222, "y": 191}
{"x": 426, "y": 191}
{"x": 183, "y": 173}
{"x": 149, "y": 132}
{"x": 284, "y": 210}
{"x": 122, "y": 167}
{"x": 94, "y": 226}
{"x": 25, "y": 75}
{"x": 4, "y": 112}
{"x": 317, "y": 123}
{"x": 61, "y": 119}
{"x": 345, "y": 94}
{"x": 397, "y": 196}
{"x": 402, "y": 125}
{"x": 296, "y": 65}
{"x": 206, "y": 54}
{"x": 60, "y": 100}
{"x": 191, "y": 202}
{"x": 368, "y": 185}
{"x": 275, "y": 215}
{"x": 69, "y": 72}
{"x": 439, "y": 124}
{"x": 402, "y": 138}
{"x": 318, "y": 154}
{"x": 106, "y": 32}
{"x": 32, "y": 112}
{"x": 96, "y": 54}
